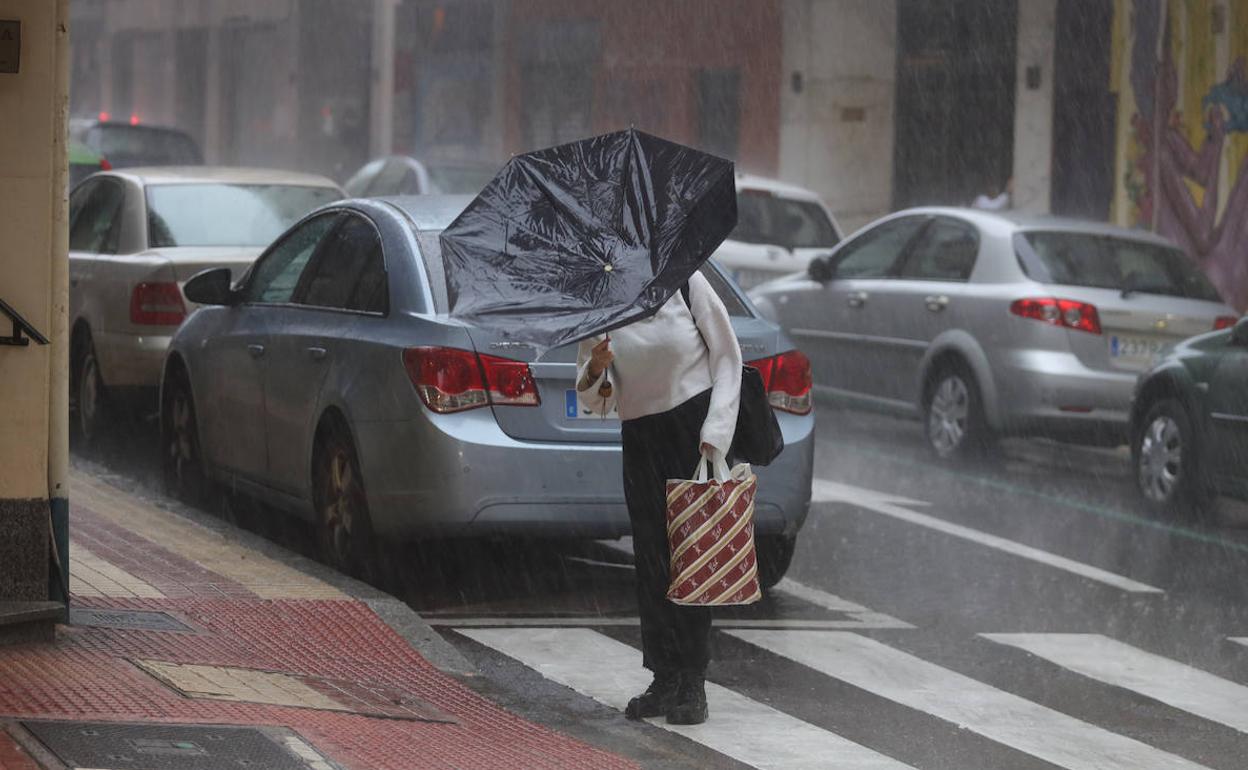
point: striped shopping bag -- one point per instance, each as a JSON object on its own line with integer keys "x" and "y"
{"x": 710, "y": 531}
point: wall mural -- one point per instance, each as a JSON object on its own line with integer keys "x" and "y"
{"x": 1180, "y": 70}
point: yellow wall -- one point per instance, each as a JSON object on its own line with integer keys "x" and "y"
{"x": 30, "y": 151}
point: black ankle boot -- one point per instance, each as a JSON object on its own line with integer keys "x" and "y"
{"x": 658, "y": 698}
{"x": 689, "y": 707}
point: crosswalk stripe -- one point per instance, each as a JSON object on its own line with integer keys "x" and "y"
{"x": 610, "y": 672}
{"x": 1239, "y": 640}
{"x": 1121, "y": 665}
{"x": 997, "y": 715}
{"x": 887, "y": 505}
{"x": 865, "y": 616}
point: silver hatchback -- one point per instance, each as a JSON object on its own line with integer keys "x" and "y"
{"x": 986, "y": 324}
{"x": 330, "y": 382}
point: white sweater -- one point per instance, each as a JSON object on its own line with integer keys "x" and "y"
{"x": 661, "y": 362}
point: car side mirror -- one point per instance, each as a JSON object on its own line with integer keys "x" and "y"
{"x": 821, "y": 269}
{"x": 210, "y": 287}
{"x": 1239, "y": 334}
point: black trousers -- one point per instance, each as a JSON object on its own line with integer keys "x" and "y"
{"x": 659, "y": 447}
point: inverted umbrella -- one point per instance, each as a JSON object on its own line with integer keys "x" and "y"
{"x": 579, "y": 239}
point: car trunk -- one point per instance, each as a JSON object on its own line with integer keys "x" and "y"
{"x": 187, "y": 262}
{"x": 560, "y": 417}
{"x": 750, "y": 264}
{"x": 1137, "y": 328}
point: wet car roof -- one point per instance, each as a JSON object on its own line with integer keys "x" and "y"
{"x": 430, "y": 212}
{"x": 225, "y": 174}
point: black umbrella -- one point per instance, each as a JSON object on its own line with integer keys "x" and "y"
{"x": 576, "y": 240}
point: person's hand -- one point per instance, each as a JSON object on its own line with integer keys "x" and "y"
{"x": 600, "y": 358}
{"x": 708, "y": 450}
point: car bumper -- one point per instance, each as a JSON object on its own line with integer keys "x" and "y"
{"x": 1053, "y": 392}
{"x": 461, "y": 475}
{"x": 130, "y": 360}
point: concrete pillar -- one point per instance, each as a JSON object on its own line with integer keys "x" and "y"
{"x": 836, "y": 105}
{"x": 381, "y": 101}
{"x": 34, "y": 269}
{"x": 1033, "y": 106}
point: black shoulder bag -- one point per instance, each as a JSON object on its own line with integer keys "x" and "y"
{"x": 758, "y": 439}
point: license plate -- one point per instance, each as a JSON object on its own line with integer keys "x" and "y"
{"x": 1135, "y": 348}
{"x": 573, "y": 410}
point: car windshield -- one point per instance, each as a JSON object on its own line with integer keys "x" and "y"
{"x": 764, "y": 217}
{"x": 227, "y": 214}
{"x": 1106, "y": 262}
{"x": 143, "y": 146}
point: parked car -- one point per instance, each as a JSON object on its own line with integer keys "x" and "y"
{"x": 83, "y": 162}
{"x": 986, "y": 324}
{"x": 134, "y": 237}
{"x": 134, "y": 144}
{"x": 1189, "y": 426}
{"x": 780, "y": 228}
{"x": 403, "y": 175}
{"x": 330, "y": 382}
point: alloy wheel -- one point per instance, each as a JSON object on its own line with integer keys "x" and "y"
{"x": 341, "y": 510}
{"x": 1161, "y": 458}
{"x": 88, "y": 397}
{"x": 948, "y": 414}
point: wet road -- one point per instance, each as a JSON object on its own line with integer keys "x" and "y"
{"x": 1023, "y": 612}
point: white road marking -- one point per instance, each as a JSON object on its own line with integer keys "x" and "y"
{"x": 610, "y": 672}
{"x": 820, "y": 598}
{"x": 1239, "y": 640}
{"x": 1121, "y": 665}
{"x": 995, "y": 714}
{"x": 586, "y": 621}
{"x": 878, "y": 502}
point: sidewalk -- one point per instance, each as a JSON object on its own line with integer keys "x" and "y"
{"x": 227, "y": 635}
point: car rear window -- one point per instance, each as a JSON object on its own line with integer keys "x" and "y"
{"x": 764, "y": 217}
{"x": 227, "y": 214}
{"x": 1106, "y": 262}
{"x": 431, "y": 253}
{"x": 143, "y": 146}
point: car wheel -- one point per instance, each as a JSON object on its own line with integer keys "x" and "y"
{"x": 343, "y": 528}
{"x": 90, "y": 395}
{"x": 953, "y": 414}
{"x": 1167, "y": 461}
{"x": 182, "y": 459}
{"x": 775, "y": 554}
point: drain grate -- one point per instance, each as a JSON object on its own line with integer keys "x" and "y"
{"x": 142, "y": 620}
{"x": 175, "y": 747}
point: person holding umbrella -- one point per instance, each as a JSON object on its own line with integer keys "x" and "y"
{"x": 599, "y": 242}
{"x": 676, "y": 383}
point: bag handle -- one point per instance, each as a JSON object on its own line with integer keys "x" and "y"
{"x": 718, "y": 466}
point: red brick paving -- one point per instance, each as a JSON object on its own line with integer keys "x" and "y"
{"x": 12, "y": 756}
{"x": 87, "y": 674}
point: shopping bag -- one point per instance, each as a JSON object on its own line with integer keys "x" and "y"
{"x": 710, "y": 531}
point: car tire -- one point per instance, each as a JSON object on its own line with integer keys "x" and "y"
{"x": 182, "y": 459}
{"x": 91, "y": 407}
{"x": 1166, "y": 460}
{"x": 344, "y": 531}
{"x": 953, "y": 414}
{"x": 775, "y": 554}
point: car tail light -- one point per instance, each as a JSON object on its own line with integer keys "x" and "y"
{"x": 1224, "y": 322}
{"x": 509, "y": 382}
{"x": 788, "y": 381}
{"x": 452, "y": 380}
{"x": 156, "y": 304}
{"x": 1069, "y": 313}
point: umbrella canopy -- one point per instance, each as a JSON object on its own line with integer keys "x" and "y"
{"x": 579, "y": 239}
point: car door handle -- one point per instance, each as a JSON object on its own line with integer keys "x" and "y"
{"x": 856, "y": 298}
{"x": 936, "y": 303}
{"x": 255, "y": 350}
{"x": 317, "y": 353}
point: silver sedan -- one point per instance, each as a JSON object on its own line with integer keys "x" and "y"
{"x": 330, "y": 382}
{"x": 986, "y": 324}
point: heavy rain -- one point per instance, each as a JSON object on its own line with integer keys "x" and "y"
{"x": 854, "y": 384}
